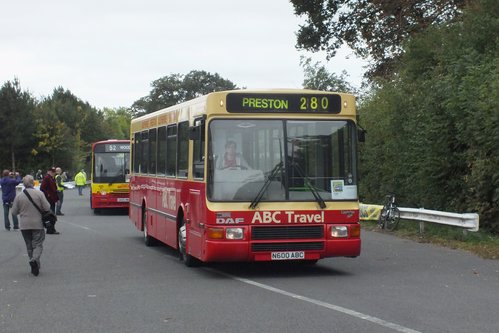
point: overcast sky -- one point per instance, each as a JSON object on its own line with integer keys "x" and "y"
{"x": 107, "y": 52}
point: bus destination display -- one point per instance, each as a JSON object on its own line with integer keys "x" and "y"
{"x": 280, "y": 103}
{"x": 113, "y": 148}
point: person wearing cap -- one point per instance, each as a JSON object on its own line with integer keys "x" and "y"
{"x": 49, "y": 188}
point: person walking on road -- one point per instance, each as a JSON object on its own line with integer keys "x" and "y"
{"x": 31, "y": 221}
{"x": 80, "y": 181}
{"x": 49, "y": 189}
{"x": 9, "y": 182}
{"x": 59, "y": 181}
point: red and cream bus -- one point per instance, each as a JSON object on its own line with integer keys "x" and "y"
{"x": 110, "y": 174}
{"x": 249, "y": 175}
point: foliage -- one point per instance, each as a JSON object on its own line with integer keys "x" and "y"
{"x": 317, "y": 77}
{"x": 176, "y": 88}
{"x": 59, "y": 129}
{"x": 433, "y": 129}
{"x": 117, "y": 123}
{"x": 481, "y": 243}
{"x": 15, "y": 112}
{"x": 375, "y": 29}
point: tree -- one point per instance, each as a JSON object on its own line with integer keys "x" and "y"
{"x": 66, "y": 127}
{"x": 317, "y": 77}
{"x": 53, "y": 136}
{"x": 177, "y": 88}
{"x": 117, "y": 123}
{"x": 16, "y": 110}
{"x": 434, "y": 127}
{"x": 372, "y": 28}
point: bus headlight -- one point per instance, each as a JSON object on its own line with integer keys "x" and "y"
{"x": 234, "y": 233}
{"x": 339, "y": 231}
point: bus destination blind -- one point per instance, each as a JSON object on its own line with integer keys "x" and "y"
{"x": 113, "y": 148}
{"x": 284, "y": 103}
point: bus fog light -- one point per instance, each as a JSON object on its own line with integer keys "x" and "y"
{"x": 103, "y": 192}
{"x": 234, "y": 233}
{"x": 339, "y": 231}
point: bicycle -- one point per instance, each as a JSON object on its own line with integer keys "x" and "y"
{"x": 390, "y": 214}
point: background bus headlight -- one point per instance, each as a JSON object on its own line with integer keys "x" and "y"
{"x": 234, "y": 233}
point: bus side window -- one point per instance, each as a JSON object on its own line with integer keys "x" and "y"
{"x": 183, "y": 149}
{"x": 171, "y": 148}
{"x": 152, "y": 150}
{"x": 197, "y": 136}
{"x": 144, "y": 159}
{"x": 137, "y": 152}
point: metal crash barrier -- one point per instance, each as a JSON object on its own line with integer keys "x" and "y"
{"x": 469, "y": 221}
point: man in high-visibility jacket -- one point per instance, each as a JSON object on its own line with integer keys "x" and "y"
{"x": 80, "y": 181}
{"x": 60, "y": 190}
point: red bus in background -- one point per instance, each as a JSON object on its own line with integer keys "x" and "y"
{"x": 110, "y": 174}
{"x": 249, "y": 176}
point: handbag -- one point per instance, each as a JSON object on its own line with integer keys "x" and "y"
{"x": 48, "y": 217}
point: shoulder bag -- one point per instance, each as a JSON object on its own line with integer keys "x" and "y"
{"x": 48, "y": 217}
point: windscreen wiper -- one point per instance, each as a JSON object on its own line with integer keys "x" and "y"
{"x": 273, "y": 173}
{"x": 312, "y": 188}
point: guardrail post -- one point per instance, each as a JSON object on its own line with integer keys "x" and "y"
{"x": 421, "y": 228}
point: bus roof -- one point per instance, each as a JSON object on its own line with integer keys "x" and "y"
{"x": 216, "y": 103}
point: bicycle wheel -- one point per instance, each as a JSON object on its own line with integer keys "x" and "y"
{"x": 381, "y": 218}
{"x": 392, "y": 219}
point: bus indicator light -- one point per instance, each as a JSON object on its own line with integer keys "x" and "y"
{"x": 215, "y": 233}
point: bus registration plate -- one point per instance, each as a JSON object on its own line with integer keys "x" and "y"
{"x": 122, "y": 199}
{"x": 290, "y": 255}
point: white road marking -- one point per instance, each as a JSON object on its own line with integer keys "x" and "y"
{"x": 330, "y": 306}
{"x": 78, "y": 226}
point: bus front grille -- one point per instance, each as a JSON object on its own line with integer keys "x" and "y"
{"x": 301, "y": 246}
{"x": 287, "y": 232}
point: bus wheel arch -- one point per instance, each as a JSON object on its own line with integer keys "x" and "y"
{"x": 148, "y": 240}
{"x": 188, "y": 260}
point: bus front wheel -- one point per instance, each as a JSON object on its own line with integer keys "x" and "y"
{"x": 189, "y": 260}
{"x": 148, "y": 240}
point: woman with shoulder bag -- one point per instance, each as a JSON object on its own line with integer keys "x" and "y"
{"x": 31, "y": 223}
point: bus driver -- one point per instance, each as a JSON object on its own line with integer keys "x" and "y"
{"x": 232, "y": 159}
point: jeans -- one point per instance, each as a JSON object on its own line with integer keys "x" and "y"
{"x": 58, "y": 205}
{"x": 80, "y": 189}
{"x": 15, "y": 222}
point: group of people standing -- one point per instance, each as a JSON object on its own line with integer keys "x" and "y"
{"x": 50, "y": 196}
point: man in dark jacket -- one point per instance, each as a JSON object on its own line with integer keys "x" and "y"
{"x": 9, "y": 182}
{"x": 49, "y": 188}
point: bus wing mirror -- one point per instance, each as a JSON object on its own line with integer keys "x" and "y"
{"x": 196, "y": 132}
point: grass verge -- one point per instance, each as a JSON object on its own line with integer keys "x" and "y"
{"x": 480, "y": 243}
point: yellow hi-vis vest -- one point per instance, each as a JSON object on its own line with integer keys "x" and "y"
{"x": 59, "y": 183}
